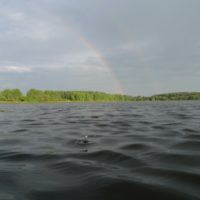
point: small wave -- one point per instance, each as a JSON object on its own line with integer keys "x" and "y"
{"x": 189, "y": 130}
{"x": 189, "y": 145}
{"x": 136, "y": 147}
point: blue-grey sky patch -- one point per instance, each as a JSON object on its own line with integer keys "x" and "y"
{"x": 145, "y": 47}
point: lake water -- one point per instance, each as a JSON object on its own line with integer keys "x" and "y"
{"x": 134, "y": 150}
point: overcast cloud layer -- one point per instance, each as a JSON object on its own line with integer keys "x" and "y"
{"x": 135, "y": 47}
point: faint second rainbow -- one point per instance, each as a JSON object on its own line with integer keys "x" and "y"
{"x": 136, "y": 50}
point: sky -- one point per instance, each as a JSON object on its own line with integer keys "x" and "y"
{"x": 132, "y": 47}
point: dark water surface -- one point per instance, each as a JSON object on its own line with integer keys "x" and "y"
{"x": 147, "y": 150}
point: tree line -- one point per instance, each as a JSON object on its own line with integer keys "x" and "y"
{"x": 179, "y": 96}
{"x": 34, "y": 95}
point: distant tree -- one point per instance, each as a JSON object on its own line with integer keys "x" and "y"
{"x": 35, "y": 95}
{"x": 2, "y": 98}
{"x": 72, "y": 97}
{"x": 51, "y": 95}
{"x": 79, "y": 96}
{"x": 88, "y": 97}
{"x": 139, "y": 98}
{"x": 7, "y": 93}
{"x": 17, "y": 94}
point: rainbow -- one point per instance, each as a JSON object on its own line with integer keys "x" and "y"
{"x": 88, "y": 44}
{"x": 99, "y": 56}
{"x": 136, "y": 51}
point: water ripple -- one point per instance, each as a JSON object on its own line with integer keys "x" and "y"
{"x": 142, "y": 150}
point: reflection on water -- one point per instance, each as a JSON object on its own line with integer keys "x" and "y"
{"x": 132, "y": 150}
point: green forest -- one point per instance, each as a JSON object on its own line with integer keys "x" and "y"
{"x": 34, "y": 95}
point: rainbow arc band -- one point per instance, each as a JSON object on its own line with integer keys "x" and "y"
{"x": 88, "y": 44}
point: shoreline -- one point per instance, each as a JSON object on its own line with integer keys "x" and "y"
{"x": 36, "y": 102}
